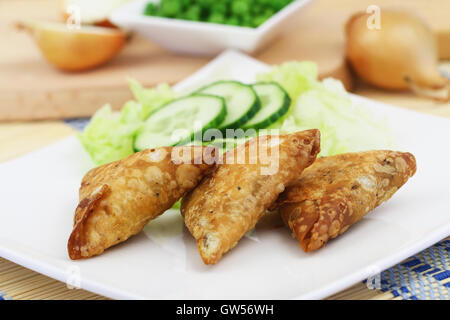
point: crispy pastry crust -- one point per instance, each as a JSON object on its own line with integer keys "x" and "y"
{"x": 230, "y": 201}
{"x": 118, "y": 199}
{"x": 335, "y": 192}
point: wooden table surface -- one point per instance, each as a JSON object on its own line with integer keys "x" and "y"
{"x": 19, "y": 138}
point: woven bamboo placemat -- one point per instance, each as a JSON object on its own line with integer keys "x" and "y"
{"x": 19, "y": 283}
{"x": 423, "y": 276}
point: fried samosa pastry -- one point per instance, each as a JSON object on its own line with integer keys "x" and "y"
{"x": 229, "y": 202}
{"x": 118, "y": 199}
{"x": 336, "y": 192}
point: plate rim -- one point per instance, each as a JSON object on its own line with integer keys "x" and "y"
{"x": 47, "y": 269}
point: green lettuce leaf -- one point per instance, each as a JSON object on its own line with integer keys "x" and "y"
{"x": 110, "y": 134}
{"x": 344, "y": 125}
{"x": 150, "y": 98}
{"x": 295, "y": 77}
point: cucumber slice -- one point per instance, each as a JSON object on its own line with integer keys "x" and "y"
{"x": 241, "y": 100}
{"x": 181, "y": 113}
{"x": 275, "y": 103}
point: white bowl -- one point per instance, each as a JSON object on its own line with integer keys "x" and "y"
{"x": 183, "y": 36}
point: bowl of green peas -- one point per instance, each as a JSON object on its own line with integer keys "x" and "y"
{"x": 207, "y": 27}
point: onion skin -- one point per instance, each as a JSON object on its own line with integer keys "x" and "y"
{"x": 75, "y": 50}
{"x": 402, "y": 52}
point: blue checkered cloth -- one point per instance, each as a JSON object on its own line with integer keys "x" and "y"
{"x": 78, "y": 123}
{"x": 3, "y": 296}
{"x": 423, "y": 276}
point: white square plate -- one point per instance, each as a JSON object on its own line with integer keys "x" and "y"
{"x": 39, "y": 194}
{"x": 204, "y": 38}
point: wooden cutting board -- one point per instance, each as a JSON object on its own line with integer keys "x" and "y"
{"x": 31, "y": 89}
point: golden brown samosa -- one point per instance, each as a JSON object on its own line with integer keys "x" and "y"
{"x": 337, "y": 191}
{"x": 118, "y": 199}
{"x": 229, "y": 202}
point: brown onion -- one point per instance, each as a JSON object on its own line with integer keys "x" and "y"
{"x": 75, "y": 49}
{"x": 399, "y": 55}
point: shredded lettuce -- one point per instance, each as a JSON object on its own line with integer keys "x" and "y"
{"x": 152, "y": 98}
{"x": 295, "y": 77}
{"x": 344, "y": 125}
{"x": 325, "y": 105}
{"x": 109, "y": 136}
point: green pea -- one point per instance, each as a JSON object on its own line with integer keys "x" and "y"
{"x": 278, "y": 4}
{"x": 249, "y": 13}
{"x": 219, "y": 7}
{"x": 193, "y": 13}
{"x": 170, "y": 8}
{"x": 259, "y": 20}
{"x": 239, "y": 7}
{"x": 205, "y": 4}
{"x": 247, "y": 21}
{"x": 265, "y": 3}
{"x": 150, "y": 9}
{"x": 186, "y": 3}
{"x": 257, "y": 8}
{"x": 268, "y": 12}
{"x": 233, "y": 21}
{"x": 216, "y": 18}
